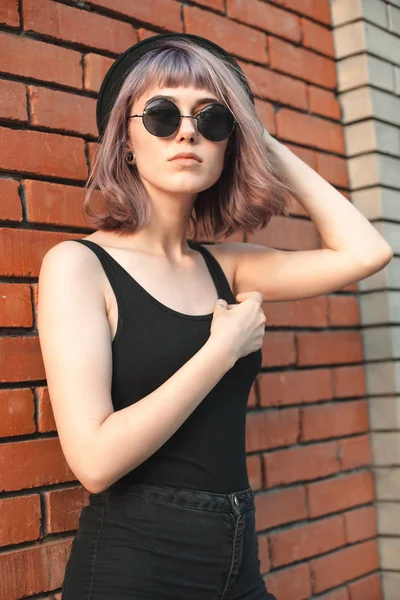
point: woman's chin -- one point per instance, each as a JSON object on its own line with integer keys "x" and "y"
{"x": 188, "y": 185}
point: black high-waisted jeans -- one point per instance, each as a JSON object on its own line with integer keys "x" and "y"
{"x": 154, "y": 542}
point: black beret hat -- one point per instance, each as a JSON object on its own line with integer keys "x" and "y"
{"x": 116, "y": 74}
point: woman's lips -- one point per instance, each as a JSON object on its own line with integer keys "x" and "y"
{"x": 186, "y": 161}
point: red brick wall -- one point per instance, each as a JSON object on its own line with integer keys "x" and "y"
{"x": 307, "y": 430}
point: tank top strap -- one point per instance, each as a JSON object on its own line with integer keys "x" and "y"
{"x": 217, "y": 273}
{"x": 109, "y": 268}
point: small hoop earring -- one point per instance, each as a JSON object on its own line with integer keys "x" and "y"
{"x": 130, "y": 157}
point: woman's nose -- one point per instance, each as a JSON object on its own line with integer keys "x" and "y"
{"x": 188, "y": 126}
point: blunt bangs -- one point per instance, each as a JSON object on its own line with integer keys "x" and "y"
{"x": 174, "y": 68}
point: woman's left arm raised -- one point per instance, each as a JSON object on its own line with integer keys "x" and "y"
{"x": 354, "y": 248}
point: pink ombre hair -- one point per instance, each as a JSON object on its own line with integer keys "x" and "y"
{"x": 248, "y": 192}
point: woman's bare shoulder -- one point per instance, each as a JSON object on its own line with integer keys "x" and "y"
{"x": 224, "y": 251}
{"x": 73, "y": 266}
{"x": 226, "y": 254}
{"x": 68, "y": 254}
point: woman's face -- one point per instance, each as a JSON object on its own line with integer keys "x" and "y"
{"x": 154, "y": 154}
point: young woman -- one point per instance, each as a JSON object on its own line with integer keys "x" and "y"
{"x": 148, "y": 376}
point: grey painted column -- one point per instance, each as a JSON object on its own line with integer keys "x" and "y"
{"x": 367, "y": 45}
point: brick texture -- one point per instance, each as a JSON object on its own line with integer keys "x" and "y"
{"x": 307, "y": 432}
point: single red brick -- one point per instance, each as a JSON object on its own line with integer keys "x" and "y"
{"x": 9, "y": 13}
{"x": 355, "y": 452}
{"x": 360, "y": 524}
{"x": 308, "y": 312}
{"x": 64, "y": 111}
{"x": 12, "y": 368}
{"x": 15, "y": 305}
{"x": 278, "y": 348}
{"x": 95, "y": 67}
{"x": 310, "y": 130}
{"x": 26, "y": 57}
{"x": 323, "y": 102}
{"x": 265, "y": 16}
{"x": 17, "y": 412}
{"x": 295, "y": 387}
{"x": 349, "y": 381}
{"x": 343, "y": 311}
{"x": 272, "y": 428}
{"x": 279, "y": 507}
{"x": 42, "y": 153}
{"x": 13, "y": 100}
{"x": 40, "y": 462}
{"x": 10, "y": 206}
{"x": 302, "y": 63}
{"x": 20, "y": 519}
{"x": 301, "y": 463}
{"x": 54, "y": 203}
{"x": 306, "y": 540}
{"x": 333, "y": 169}
{"x": 339, "y": 493}
{"x": 333, "y": 420}
{"x": 316, "y": 37}
{"x": 329, "y": 347}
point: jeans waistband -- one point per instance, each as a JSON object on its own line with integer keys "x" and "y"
{"x": 237, "y": 502}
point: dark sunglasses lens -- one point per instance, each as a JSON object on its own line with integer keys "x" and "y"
{"x": 161, "y": 118}
{"x": 216, "y": 122}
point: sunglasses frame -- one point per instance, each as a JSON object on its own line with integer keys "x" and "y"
{"x": 185, "y": 116}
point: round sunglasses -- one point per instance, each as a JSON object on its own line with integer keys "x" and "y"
{"x": 162, "y": 118}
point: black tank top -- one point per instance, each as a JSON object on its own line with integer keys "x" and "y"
{"x": 151, "y": 343}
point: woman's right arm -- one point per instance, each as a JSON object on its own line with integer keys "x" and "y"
{"x": 101, "y": 445}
